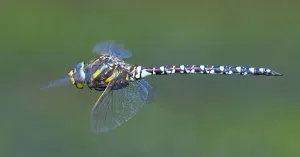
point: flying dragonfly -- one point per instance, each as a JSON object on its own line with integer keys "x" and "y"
{"x": 124, "y": 89}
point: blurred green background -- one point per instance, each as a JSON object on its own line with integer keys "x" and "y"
{"x": 193, "y": 115}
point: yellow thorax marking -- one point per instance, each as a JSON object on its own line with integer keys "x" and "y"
{"x": 112, "y": 76}
{"x": 95, "y": 61}
{"x": 98, "y": 72}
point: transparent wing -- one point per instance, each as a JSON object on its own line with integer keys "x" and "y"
{"x": 118, "y": 104}
{"x": 109, "y": 47}
{"x": 151, "y": 92}
{"x": 59, "y": 82}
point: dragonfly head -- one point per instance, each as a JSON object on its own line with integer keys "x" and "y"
{"x": 77, "y": 75}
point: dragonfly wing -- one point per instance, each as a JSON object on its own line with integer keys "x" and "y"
{"x": 59, "y": 82}
{"x": 151, "y": 92}
{"x": 109, "y": 47}
{"x": 118, "y": 104}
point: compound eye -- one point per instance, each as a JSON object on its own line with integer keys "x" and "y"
{"x": 80, "y": 66}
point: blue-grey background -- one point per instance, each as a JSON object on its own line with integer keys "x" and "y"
{"x": 194, "y": 115}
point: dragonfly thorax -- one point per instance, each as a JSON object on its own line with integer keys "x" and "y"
{"x": 77, "y": 75}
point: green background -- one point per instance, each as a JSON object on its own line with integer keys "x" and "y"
{"x": 193, "y": 115}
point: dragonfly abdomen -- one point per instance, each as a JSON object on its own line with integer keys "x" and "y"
{"x": 203, "y": 69}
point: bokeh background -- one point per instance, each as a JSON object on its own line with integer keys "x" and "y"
{"x": 193, "y": 115}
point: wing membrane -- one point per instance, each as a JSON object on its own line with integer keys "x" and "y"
{"x": 151, "y": 92}
{"x": 109, "y": 47}
{"x": 56, "y": 83}
{"x": 116, "y": 107}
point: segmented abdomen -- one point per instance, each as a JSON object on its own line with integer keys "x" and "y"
{"x": 203, "y": 69}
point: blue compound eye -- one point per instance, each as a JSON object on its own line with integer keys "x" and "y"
{"x": 79, "y": 65}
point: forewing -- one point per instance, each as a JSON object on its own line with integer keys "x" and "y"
{"x": 109, "y": 47}
{"x": 116, "y": 107}
{"x": 56, "y": 83}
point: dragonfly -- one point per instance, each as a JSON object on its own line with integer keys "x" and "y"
{"x": 124, "y": 88}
